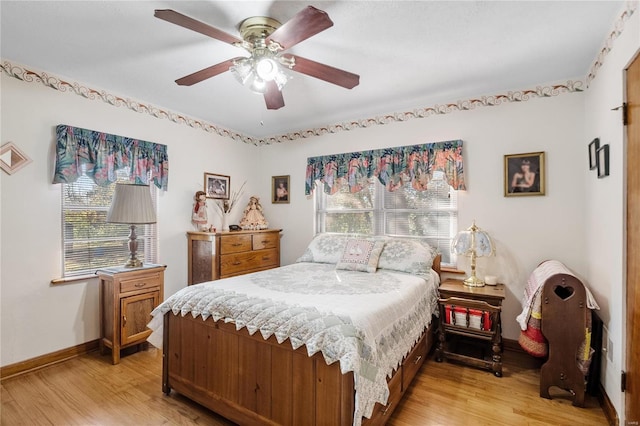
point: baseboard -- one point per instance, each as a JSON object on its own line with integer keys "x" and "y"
{"x": 512, "y": 345}
{"x": 609, "y": 410}
{"x": 47, "y": 359}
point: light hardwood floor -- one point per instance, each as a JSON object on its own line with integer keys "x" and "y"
{"x": 88, "y": 390}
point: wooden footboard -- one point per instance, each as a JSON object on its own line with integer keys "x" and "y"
{"x": 250, "y": 380}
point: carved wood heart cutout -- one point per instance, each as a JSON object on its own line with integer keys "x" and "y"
{"x": 563, "y": 292}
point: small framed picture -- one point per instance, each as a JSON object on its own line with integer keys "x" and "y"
{"x": 593, "y": 149}
{"x": 217, "y": 186}
{"x": 603, "y": 161}
{"x": 280, "y": 189}
{"x": 524, "y": 174}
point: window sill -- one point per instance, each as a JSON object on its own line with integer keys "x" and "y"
{"x": 450, "y": 270}
{"x": 68, "y": 280}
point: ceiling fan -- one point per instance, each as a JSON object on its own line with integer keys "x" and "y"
{"x": 266, "y": 40}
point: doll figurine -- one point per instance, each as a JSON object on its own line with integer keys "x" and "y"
{"x": 252, "y": 217}
{"x": 199, "y": 213}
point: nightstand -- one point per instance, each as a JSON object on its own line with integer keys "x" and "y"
{"x": 127, "y": 297}
{"x": 471, "y": 314}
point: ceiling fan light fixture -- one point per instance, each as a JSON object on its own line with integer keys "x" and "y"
{"x": 254, "y": 72}
{"x": 267, "y": 69}
{"x": 258, "y": 86}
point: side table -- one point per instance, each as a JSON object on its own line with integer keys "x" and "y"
{"x": 127, "y": 297}
{"x": 473, "y": 313}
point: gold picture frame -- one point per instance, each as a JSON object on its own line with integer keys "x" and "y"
{"x": 280, "y": 190}
{"x": 524, "y": 174}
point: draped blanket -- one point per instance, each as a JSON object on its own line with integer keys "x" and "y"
{"x": 366, "y": 321}
{"x": 530, "y": 319}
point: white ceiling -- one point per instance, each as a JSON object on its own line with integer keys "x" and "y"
{"x": 409, "y": 54}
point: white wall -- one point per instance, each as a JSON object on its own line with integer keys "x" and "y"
{"x": 527, "y": 230}
{"x": 38, "y": 318}
{"x": 605, "y": 203}
{"x": 579, "y": 221}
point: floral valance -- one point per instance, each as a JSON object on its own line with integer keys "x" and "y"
{"x": 102, "y": 154}
{"x": 392, "y": 167}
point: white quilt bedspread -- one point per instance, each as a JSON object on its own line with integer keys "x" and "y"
{"x": 366, "y": 321}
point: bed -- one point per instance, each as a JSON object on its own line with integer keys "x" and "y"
{"x": 333, "y": 339}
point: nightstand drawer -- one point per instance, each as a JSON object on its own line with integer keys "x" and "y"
{"x": 235, "y": 243}
{"x": 142, "y": 283}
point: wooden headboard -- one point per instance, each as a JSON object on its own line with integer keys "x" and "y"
{"x": 436, "y": 265}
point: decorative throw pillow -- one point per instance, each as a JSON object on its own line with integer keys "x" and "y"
{"x": 360, "y": 255}
{"x": 406, "y": 255}
{"x": 324, "y": 248}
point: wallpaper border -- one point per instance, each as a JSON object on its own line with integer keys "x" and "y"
{"x": 48, "y": 80}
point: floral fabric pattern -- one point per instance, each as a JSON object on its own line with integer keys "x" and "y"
{"x": 325, "y": 281}
{"x": 324, "y": 248}
{"x": 102, "y": 154}
{"x": 405, "y": 255}
{"x": 392, "y": 166}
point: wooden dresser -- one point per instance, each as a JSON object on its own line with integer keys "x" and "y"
{"x": 127, "y": 297}
{"x": 212, "y": 256}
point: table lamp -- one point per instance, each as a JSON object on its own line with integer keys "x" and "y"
{"x": 132, "y": 205}
{"x": 473, "y": 242}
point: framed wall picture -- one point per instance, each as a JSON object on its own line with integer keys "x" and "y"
{"x": 524, "y": 174}
{"x": 280, "y": 189}
{"x": 603, "y": 161}
{"x": 217, "y": 186}
{"x": 593, "y": 149}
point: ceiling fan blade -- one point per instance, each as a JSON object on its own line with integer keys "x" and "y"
{"x": 306, "y": 23}
{"x": 325, "y": 72}
{"x": 203, "y": 74}
{"x": 273, "y": 96}
{"x": 192, "y": 24}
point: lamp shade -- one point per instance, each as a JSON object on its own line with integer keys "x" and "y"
{"x": 473, "y": 242}
{"x": 132, "y": 205}
{"x": 473, "y": 238}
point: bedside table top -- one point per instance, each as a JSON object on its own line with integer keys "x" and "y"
{"x": 120, "y": 269}
{"x": 453, "y": 287}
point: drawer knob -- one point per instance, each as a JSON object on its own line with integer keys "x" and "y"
{"x": 140, "y": 284}
{"x": 418, "y": 358}
{"x": 236, "y": 263}
{"x": 236, "y": 244}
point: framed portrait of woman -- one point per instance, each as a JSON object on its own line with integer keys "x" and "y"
{"x": 524, "y": 174}
{"x": 280, "y": 189}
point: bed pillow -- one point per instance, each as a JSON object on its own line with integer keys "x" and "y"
{"x": 407, "y": 255}
{"x": 324, "y": 248}
{"x": 360, "y": 254}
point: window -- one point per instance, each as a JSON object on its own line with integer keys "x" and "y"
{"x": 431, "y": 214}
{"x": 89, "y": 242}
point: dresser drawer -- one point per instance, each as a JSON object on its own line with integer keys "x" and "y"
{"x": 265, "y": 241}
{"x": 413, "y": 362}
{"x": 235, "y": 243}
{"x": 140, "y": 283}
{"x": 245, "y": 262}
